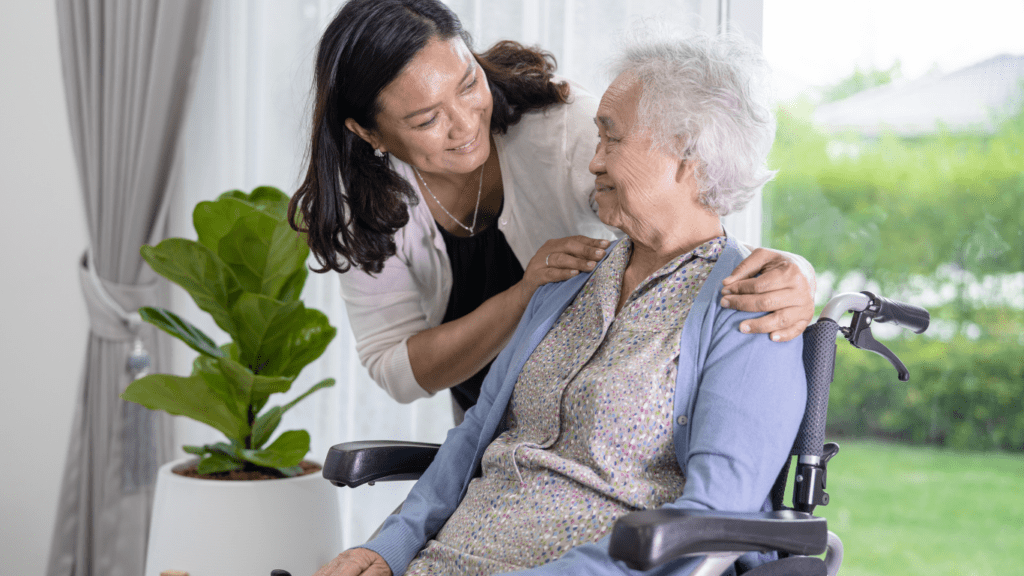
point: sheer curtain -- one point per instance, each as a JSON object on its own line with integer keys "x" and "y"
{"x": 248, "y": 126}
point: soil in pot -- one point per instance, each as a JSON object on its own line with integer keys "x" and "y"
{"x": 254, "y": 473}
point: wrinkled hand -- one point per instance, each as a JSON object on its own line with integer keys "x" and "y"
{"x": 769, "y": 281}
{"x": 561, "y": 259}
{"x": 356, "y": 562}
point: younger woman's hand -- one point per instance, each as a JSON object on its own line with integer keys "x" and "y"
{"x": 770, "y": 281}
{"x": 356, "y": 562}
{"x": 561, "y": 259}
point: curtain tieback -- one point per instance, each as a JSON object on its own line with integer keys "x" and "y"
{"x": 106, "y": 302}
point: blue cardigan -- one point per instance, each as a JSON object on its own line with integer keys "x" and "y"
{"x": 738, "y": 403}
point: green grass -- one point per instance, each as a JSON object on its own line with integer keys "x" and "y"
{"x": 907, "y": 511}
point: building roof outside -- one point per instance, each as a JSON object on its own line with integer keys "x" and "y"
{"x": 972, "y": 99}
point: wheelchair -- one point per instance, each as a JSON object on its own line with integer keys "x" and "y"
{"x": 646, "y": 539}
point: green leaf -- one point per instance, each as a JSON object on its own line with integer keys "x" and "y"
{"x": 234, "y": 396}
{"x": 245, "y": 248}
{"x": 263, "y": 322}
{"x": 187, "y": 396}
{"x": 279, "y": 338}
{"x": 265, "y": 425}
{"x": 201, "y": 273}
{"x": 288, "y": 254}
{"x": 217, "y": 462}
{"x": 325, "y": 383}
{"x": 264, "y": 253}
{"x": 287, "y": 450}
{"x": 236, "y": 194}
{"x": 181, "y": 329}
{"x": 256, "y": 388}
{"x": 266, "y": 198}
{"x": 307, "y": 345}
{"x": 230, "y": 350}
{"x": 222, "y": 448}
{"x": 229, "y": 450}
{"x": 214, "y": 220}
{"x": 292, "y": 288}
{"x": 291, "y": 471}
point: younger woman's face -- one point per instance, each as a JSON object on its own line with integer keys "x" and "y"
{"x": 436, "y": 114}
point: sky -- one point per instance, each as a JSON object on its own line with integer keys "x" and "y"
{"x": 818, "y": 42}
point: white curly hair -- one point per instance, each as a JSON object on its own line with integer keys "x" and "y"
{"x": 706, "y": 98}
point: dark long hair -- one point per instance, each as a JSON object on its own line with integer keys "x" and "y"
{"x": 352, "y": 202}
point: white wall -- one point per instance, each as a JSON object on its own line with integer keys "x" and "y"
{"x": 43, "y": 322}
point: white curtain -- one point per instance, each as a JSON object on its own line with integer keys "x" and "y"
{"x": 248, "y": 127}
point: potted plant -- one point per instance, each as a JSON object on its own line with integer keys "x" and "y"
{"x": 246, "y": 270}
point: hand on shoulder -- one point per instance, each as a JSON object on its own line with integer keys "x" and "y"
{"x": 774, "y": 282}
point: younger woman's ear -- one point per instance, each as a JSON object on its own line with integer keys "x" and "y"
{"x": 362, "y": 133}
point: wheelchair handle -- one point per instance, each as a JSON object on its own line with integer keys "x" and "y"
{"x": 879, "y": 309}
{"x": 913, "y": 318}
{"x": 867, "y": 309}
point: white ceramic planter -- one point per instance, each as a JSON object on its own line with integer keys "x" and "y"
{"x": 242, "y": 528}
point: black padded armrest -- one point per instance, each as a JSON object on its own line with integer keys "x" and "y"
{"x": 356, "y": 463}
{"x": 649, "y": 538}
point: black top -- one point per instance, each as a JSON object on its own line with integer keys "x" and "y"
{"x": 482, "y": 265}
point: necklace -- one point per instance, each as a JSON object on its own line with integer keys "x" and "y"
{"x": 479, "y": 189}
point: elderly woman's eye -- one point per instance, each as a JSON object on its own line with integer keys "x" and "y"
{"x": 471, "y": 85}
{"x": 428, "y": 122}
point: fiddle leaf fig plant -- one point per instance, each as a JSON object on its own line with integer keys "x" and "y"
{"x": 246, "y": 270}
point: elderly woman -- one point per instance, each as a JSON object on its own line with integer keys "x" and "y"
{"x": 630, "y": 387}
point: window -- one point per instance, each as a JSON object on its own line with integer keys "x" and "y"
{"x": 901, "y": 157}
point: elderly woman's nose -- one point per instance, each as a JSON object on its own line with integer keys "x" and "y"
{"x": 597, "y": 162}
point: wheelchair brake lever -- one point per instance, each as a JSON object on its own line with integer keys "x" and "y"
{"x": 829, "y": 452}
{"x": 860, "y": 336}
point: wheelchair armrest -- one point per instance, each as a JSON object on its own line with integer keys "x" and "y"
{"x": 649, "y": 538}
{"x": 356, "y": 463}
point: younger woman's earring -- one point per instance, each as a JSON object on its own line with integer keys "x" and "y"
{"x": 378, "y": 153}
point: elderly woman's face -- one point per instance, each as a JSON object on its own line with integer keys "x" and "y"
{"x": 638, "y": 185}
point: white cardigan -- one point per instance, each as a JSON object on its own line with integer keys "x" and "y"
{"x": 544, "y": 162}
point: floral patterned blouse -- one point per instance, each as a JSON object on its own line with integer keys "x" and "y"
{"x": 590, "y": 426}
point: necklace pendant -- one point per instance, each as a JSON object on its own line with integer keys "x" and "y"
{"x": 471, "y": 228}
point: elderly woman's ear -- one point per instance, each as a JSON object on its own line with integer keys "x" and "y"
{"x": 784, "y": 277}
{"x": 686, "y": 171}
